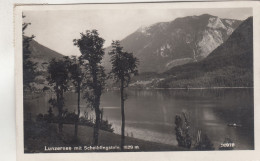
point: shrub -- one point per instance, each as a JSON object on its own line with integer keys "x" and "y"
{"x": 204, "y": 144}
{"x": 182, "y": 130}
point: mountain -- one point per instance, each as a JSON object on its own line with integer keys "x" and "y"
{"x": 164, "y": 45}
{"x": 240, "y": 42}
{"x": 42, "y": 56}
{"x": 229, "y": 65}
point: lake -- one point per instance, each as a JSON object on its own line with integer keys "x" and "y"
{"x": 150, "y": 114}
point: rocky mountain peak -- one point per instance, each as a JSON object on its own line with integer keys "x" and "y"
{"x": 164, "y": 45}
{"x": 216, "y": 23}
{"x": 144, "y": 30}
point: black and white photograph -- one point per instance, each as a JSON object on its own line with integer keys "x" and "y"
{"x": 129, "y": 79}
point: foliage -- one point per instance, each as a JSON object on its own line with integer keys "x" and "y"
{"x": 50, "y": 115}
{"x": 229, "y": 65}
{"x": 58, "y": 75}
{"x": 71, "y": 118}
{"x": 75, "y": 68}
{"x": 124, "y": 65}
{"x": 39, "y": 117}
{"x": 58, "y": 78}
{"x": 29, "y": 67}
{"x": 182, "y": 130}
{"x": 77, "y": 76}
{"x": 106, "y": 126}
{"x": 92, "y": 52}
{"x": 221, "y": 71}
{"x": 45, "y": 88}
{"x": 204, "y": 144}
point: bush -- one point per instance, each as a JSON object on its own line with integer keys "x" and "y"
{"x": 182, "y": 130}
{"x": 106, "y": 126}
{"x": 204, "y": 144}
{"x": 70, "y": 118}
{"x": 39, "y": 118}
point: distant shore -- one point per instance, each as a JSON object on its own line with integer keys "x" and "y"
{"x": 148, "y": 88}
{"x": 184, "y": 88}
{"x": 206, "y": 88}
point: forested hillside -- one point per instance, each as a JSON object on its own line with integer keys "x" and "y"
{"x": 229, "y": 65}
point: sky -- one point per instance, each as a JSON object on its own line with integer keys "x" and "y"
{"x": 56, "y": 29}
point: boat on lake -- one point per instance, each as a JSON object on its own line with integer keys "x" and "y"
{"x": 234, "y": 125}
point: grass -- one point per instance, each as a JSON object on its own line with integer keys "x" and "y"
{"x": 39, "y": 135}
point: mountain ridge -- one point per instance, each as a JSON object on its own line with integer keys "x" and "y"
{"x": 164, "y": 45}
{"x": 229, "y": 65}
{"x": 42, "y": 55}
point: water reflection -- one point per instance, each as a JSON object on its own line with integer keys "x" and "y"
{"x": 150, "y": 114}
{"x": 153, "y": 111}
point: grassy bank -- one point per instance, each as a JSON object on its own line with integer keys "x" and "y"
{"x": 38, "y": 136}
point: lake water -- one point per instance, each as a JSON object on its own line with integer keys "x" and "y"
{"x": 150, "y": 114}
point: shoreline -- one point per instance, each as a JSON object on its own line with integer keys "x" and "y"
{"x": 85, "y": 134}
{"x": 210, "y": 88}
{"x": 192, "y": 88}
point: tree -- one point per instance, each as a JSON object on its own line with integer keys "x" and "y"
{"x": 58, "y": 78}
{"x": 50, "y": 116}
{"x": 92, "y": 52}
{"x": 29, "y": 67}
{"x": 124, "y": 65}
{"x": 182, "y": 130}
{"x": 77, "y": 76}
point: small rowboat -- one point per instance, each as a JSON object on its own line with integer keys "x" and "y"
{"x": 234, "y": 125}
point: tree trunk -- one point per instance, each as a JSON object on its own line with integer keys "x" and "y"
{"x": 123, "y": 116}
{"x": 59, "y": 96}
{"x": 96, "y": 107}
{"x": 96, "y": 127}
{"x": 101, "y": 116}
{"x": 77, "y": 119}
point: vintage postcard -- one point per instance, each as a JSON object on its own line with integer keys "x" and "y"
{"x": 106, "y": 81}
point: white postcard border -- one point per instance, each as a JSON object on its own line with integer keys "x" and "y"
{"x": 236, "y": 155}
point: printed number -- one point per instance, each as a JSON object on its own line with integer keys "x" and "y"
{"x": 227, "y": 145}
{"x": 128, "y": 147}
